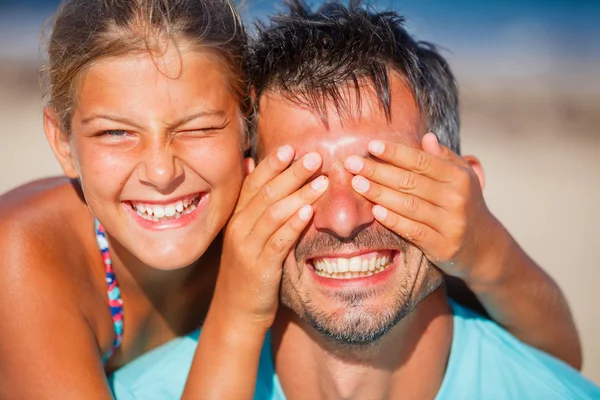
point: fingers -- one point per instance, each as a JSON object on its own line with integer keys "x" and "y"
{"x": 276, "y": 215}
{"x": 281, "y": 242}
{"x": 431, "y": 145}
{"x": 407, "y": 205}
{"x": 421, "y": 235}
{"x": 270, "y": 167}
{"x": 442, "y": 169}
{"x": 398, "y": 179}
{"x": 284, "y": 183}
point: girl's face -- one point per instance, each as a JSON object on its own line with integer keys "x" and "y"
{"x": 157, "y": 146}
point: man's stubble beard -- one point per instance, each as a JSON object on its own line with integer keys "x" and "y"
{"x": 360, "y": 325}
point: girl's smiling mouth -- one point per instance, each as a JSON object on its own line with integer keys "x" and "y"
{"x": 166, "y": 214}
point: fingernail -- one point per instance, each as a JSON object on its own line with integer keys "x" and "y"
{"x": 284, "y": 153}
{"x": 305, "y": 212}
{"x": 320, "y": 183}
{"x": 376, "y": 147}
{"x": 379, "y": 212}
{"x": 360, "y": 184}
{"x": 311, "y": 161}
{"x": 354, "y": 163}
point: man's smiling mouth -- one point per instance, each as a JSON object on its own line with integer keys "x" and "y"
{"x": 362, "y": 265}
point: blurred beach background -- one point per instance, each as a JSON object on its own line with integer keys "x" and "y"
{"x": 529, "y": 75}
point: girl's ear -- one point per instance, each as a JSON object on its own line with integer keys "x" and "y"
{"x": 249, "y": 165}
{"x": 60, "y": 143}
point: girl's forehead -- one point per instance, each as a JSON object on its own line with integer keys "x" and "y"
{"x": 139, "y": 86}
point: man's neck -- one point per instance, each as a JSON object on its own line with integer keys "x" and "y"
{"x": 409, "y": 362}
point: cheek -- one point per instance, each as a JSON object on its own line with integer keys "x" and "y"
{"x": 218, "y": 162}
{"x": 102, "y": 169}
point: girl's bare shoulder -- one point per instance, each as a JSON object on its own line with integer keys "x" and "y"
{"x": 38, "y": 210}
{"x": 46, "y": 231}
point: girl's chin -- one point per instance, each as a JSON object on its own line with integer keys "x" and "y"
{"x": 170, "y": 262}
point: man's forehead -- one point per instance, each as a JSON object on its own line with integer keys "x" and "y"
{"x": 283, "y": 121}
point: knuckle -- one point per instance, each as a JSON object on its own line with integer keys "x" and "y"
{"x": 277, "y": 244}
{"x": 234, "y": 228}
{"x": 375, "y": 193}
{"x": 267, "y": 193}
{"x": 407, "y": 180}
{"x": 411, "y": 203}
{"x": 422, "y": 161}
{"x": 370, "y": 171}
{"x": 249, "y": 186}
{"x": 272, "y": 215}
{"x": 416, "y": 233}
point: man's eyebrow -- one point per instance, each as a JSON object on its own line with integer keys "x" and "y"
{"x": 173, "y": 125}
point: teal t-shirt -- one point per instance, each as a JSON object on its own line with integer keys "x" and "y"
{"x": 485, "y": 362}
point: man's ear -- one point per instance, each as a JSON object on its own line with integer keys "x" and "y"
{"x": 475, "y": 164}
{"x": 60, "y": 144}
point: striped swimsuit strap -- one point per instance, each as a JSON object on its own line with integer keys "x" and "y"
{"x": 114, "y": 294}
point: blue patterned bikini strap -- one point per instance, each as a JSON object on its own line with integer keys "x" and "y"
{"x": 114, "y": 294}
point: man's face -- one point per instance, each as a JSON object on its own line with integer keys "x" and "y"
{"x": 321, "y": 282}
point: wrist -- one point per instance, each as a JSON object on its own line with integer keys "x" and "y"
{"x": 225, "y": 312}
{"x": 493, "y": 267}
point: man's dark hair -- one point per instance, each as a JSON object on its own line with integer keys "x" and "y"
{"x": 311, "y": 56}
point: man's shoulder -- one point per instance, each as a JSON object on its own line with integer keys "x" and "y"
{"x": 488, "y": 362}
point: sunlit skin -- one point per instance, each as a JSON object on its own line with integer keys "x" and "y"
{"x": 341, "y": 211}
{"x": 344, "y": 213}
{"x": 151, "y": 131}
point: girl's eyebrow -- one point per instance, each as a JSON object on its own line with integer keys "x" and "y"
{"x": 109, "y": 117}
{"x": 176, "y": 124}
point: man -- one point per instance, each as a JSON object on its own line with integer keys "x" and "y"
{"x": 367, "y": 316}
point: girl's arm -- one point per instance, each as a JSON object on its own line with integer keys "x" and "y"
{"x": 47, "y": 347}
{"x": 273, "y": 210}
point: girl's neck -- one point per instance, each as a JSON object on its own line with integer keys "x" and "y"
{"x": 181, "y": 296}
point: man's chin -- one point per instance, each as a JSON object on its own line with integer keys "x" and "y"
{"x": 354, "y": 328}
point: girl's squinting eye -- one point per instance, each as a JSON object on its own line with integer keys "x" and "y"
{"x": 115, "y": 133}
{"x": 205, "y": 131}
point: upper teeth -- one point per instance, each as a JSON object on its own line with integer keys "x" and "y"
{"x": 348, "y": 267}
{"x": 168, "y": 210}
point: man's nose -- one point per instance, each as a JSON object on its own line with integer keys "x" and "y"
{"x": 341, "y": 210}
{"x": 160, "y": 167}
